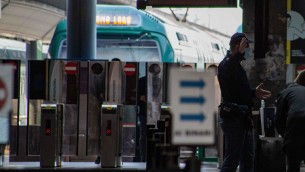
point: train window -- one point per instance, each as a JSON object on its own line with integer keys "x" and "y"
{"x": 185, "y": 38}
{"x": 62, "y": 54}
{"x": 16, "y": 54}
{"x": 215, "y": 46}
{"x": 181, "y": 37}
{"x": 2, "y": 54}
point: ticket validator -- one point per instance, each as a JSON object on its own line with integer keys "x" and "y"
{"x": 111, "y": 135}
{"x": 51, "y": 135}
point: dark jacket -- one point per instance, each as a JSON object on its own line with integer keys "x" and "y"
{"x": 290, "y": 113}
{"x": 233, "y": 81}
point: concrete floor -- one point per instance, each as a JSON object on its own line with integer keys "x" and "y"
{"x": 83, "y": 166}
{"x": 91, "y": 166}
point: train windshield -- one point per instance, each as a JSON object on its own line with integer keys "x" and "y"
{"x": 127, "y": 50}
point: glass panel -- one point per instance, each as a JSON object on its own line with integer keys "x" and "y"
{"x": 62, "y": 54}
{"x": 128, "y": 50}
{"x": 96, "y": 96}
{"x": 34, "y": 119}
{"x": 13, "y": 127}
{"x": 70, "y": 129}
{"x": 34, "y": 112}
{"x": 129, "y": 130}
{"x": 125, "y": 50}
{"x": 129, "y": 140}
{"x": 22, "y": 96}
{"x": 14, "y": 112}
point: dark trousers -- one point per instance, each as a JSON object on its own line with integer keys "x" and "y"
{"x": 293, "y": 157}
{"x": 294, "y": 141}
{"x": 143, "y": 137}
{"x": 239, "y": 145}
{"x": 295, "y": 153}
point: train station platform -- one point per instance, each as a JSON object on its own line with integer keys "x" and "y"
{"x": 91, "y": 166}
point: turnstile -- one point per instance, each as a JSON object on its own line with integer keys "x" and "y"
{"x": 111, "y": 137}
{"x": 51, "y": 135}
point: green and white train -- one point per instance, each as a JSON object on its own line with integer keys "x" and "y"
{"x": 134, "y": 35}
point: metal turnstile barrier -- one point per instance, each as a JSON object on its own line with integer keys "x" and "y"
{"x": 111, "y": 137}
{"x": 51, "y": 135}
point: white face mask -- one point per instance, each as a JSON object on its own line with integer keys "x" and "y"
{"x": 247, "y": 53}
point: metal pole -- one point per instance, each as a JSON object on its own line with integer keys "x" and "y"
{"x": 81, "y": 29}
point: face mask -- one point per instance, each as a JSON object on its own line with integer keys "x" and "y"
{"x": 247, "y": 53}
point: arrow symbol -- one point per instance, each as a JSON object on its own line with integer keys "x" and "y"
{"x": 194, "y": 84}
{"x": 192, "y": 117}
{"x": 199, "y": 100}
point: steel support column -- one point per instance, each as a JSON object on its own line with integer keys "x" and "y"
{"x": 81, "y": 31}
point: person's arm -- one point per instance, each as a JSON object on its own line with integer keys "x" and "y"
{"x": 261, "y": 93}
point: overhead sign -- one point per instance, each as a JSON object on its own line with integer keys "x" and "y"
{"x": 6, "y": 94}
{"x": 186, "y": 3}
{"x": 117, "y": 17}
{"x": 192, "y": 101}
{"x": 71, "y": 68}
{"x": 130, "y": 69}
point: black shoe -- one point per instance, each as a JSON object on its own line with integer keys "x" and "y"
{"x": 98, "y": 160}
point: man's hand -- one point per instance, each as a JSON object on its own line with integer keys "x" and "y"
{"x": 243, "y": 45}
{"x": 261, "y": 93}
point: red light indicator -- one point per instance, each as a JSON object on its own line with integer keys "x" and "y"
{"x": 108, "y": 128}
{"x": 108, "y": 132}
{"x": 47, "y": 131}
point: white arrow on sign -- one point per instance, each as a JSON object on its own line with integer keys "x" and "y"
{"x": 192, "y": 101}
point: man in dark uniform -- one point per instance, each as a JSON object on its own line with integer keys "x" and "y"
{"x": 290, "y": 121}
{"x": 236, "y": 107}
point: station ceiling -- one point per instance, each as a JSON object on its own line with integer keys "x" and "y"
{"x": 30, "y": 20}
